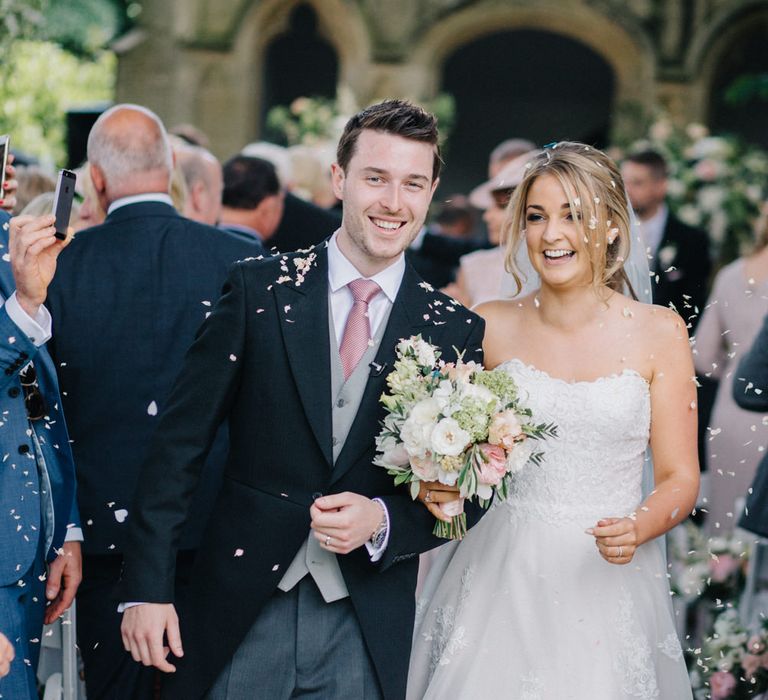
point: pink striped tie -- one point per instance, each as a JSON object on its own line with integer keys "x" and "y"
{"x": 357, "y": 332}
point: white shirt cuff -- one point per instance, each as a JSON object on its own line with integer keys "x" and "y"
{"x": 124, "y": 606}
{"x": 37, "y": 329}
{"x": 74, "y": 534}
{"x": 377, "y": 553}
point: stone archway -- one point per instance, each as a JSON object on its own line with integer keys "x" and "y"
{"x": 616, "y": 46}
{"x": 298, "y": 63}
{"x": 513, "y": 84}
{"x": 733, "y": 45}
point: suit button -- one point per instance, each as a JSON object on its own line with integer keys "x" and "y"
{"x": 316, "y": 495}
{"x": 340, "y": 403}
{"x": 334, "y": 441}
{"x": 23, "y": 449}
{"x": 14, "y": 391}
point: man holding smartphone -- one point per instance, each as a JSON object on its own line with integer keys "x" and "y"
{"x": 39, "y": 528}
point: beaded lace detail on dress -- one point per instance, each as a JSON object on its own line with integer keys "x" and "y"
{"x": 594, "y": 467}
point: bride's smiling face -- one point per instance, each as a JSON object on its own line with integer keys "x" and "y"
{"x": 555, "y": 240}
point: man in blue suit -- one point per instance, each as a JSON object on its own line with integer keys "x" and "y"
{"x": 39, "y": 528}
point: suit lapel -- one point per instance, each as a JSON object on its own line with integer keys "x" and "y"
{"x": 407, "y": 318}
{"x": 303, "y": 313}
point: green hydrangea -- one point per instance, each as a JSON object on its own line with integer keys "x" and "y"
{"x": 499, "y": 383}
{"x": 473, "y": 416}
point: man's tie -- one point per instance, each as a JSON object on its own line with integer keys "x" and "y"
{"x": 357, "y": 332}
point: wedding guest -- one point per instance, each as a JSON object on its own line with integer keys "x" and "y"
{"x": 680, "y": 259}
{"x": 126, "y": 302}
{"x": 43, "y": 204}
{"x": 506, "y": 151}
{"x": 750, "y": 391}
{"x": 252, "y": 200}
{"x": 191, "y": 135}
{"x": 91, "y": 212}
{"x": 480, "y": 273}
{"x": 204, "y": 180}
{"x": 303, "y": 224}
{"x": 40, "y": 558}
{"x": 6, "y": 655}
{"x": 31, "y": 181}
{"x": 728, "y": 326}
{"x": 10, "y": 186}
{"x": 311, "y": 168}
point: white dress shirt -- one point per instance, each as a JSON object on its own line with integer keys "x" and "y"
{"x": 136, "y": 198}
{"x": 653, "y": 229}
{"x": 340, "y": 273}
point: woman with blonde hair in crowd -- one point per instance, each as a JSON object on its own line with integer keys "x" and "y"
{"x": 560, "y": 591}
{"x": 728, "y": 326}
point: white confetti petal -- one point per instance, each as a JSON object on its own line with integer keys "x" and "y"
{"x": 152, "y": 409}
{"x": 121, "y": 514}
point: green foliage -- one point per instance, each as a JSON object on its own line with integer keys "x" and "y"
{"x": 39, "y": 82}
{"x": 84, "y": 27}
{"x": 748, "y": 88}
{"x": 19, "y": 19}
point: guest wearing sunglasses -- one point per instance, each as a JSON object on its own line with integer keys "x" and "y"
{"x": 40, "y": 562}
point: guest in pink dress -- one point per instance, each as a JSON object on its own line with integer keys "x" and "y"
{"x": 728, "y": 326}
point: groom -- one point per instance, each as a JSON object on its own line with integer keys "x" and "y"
{"x": 304, "y": 582}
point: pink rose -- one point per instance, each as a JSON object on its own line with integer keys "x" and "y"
{"x": 751, "y": 664}
{"x": 494, "y": 466}
{"x": 706, "y": 170}
{"x": 722, "y": 567}
{"x": 425, "y": 468}
{"x": 755, "y": 645}
{"x": 505, "y": 430}
{"x": 722, "y": 685}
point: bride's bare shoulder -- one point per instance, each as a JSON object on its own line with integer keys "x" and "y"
{"x": 505, "y": 312}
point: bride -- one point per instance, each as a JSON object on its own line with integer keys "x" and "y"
{"x": 559, "y": 591}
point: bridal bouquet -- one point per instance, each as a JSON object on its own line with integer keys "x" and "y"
{"x": 455, "y": 423}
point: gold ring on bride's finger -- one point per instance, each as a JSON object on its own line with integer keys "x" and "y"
{"x": 428, "y": 496}
{"x": 621, "y": 552}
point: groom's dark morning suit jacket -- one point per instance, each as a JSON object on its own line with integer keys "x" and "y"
{"x": 263, "y": 360}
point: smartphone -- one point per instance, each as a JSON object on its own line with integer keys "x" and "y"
{"x": 5, "y": 146}
{"x": 62, "y": 202}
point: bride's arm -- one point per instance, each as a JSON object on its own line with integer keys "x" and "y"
{"x": 673, "y": 444}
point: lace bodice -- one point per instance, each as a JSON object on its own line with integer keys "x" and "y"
{"x": 594, "y": 467}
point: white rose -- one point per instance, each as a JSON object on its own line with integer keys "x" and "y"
{"x": 518, "y": 457}
{"x": 478, "y": 392}
{"x": 416, "y": 437}
{"x": 443, "y": 393}
{"x": 425, "y": 353}
{"x": 425, "y": 411}
{"x": 425, "y": 468}
{"x": 396, "y": 455}
{"x": 448, "y": 438}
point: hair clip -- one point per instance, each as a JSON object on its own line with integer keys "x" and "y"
{"x": 550, "y": 145}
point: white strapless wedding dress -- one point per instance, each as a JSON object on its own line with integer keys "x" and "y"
{"x": 524, "y": 607}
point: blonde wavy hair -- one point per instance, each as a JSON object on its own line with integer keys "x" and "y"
{"x": 597, "y": 199}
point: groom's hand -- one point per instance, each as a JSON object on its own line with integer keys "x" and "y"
{"x": 342, "y": 522}
{"x": 143, "y": 628}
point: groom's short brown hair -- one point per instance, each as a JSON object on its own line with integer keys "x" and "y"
{"x": 396, "y": 117}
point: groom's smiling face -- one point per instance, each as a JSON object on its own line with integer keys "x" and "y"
{"x": 386, "y": 190}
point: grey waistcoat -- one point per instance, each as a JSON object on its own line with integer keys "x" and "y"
{"x": 346, "y": 395}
